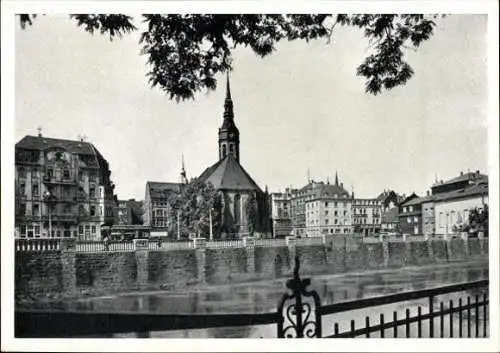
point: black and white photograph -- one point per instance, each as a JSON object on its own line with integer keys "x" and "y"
{"x": 173, "y": 173}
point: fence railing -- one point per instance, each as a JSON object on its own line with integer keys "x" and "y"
{"x": 37, "y": 244}
{"x": 299, "y": 314}
{"x": 98, "y": 246}
{"x": 52, "y": 244}
{"x": 468, "y": 314}
{"x": 223, "y": 244}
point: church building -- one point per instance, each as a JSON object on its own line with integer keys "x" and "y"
{"x": 243, "y": 201}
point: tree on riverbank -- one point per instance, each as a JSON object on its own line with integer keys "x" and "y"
{"x": 191, "y": 207}
{"x": 186, "y": 52}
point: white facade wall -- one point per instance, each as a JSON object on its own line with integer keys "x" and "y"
{"x": 331, "y": 216}
{"x": 449, "y": 213}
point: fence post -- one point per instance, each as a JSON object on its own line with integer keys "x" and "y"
{"x": 430, "y": 251}
{"x": 249, "y": 244}
{"x": 292, "y": 250}
{"x": 142, "y": 259}
{"x": 68, "y": 262}
{"x": 465, "y": 238}
{"x": 200, "y": 245}
{"x": 385, "y": 251}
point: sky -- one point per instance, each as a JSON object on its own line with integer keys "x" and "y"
{"x": 301, "y": 108}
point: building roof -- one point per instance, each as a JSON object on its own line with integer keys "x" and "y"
{"x": 417, "y": 200}
{"x": 320, "y": 189}
{"x": 229, "y": 174}
{"x": 42, "y": 143}
{"x": 472, "y": 190}
{"x": 386, "y": 194}
{"x": 464, "y": 177}
{"x": 390, "y": 216}
{"x": 160, "y": 189}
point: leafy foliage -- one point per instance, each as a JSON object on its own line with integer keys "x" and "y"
{"x": 186, "y": 52}
{"x": 194, "y": 202}
{"x": 252, "y": 215}
{"x": 478, "y": 221}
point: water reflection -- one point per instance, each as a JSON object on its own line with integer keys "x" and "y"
{"x": 263, "y": 296}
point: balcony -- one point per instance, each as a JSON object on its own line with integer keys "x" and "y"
{"x": 64, "y": 181}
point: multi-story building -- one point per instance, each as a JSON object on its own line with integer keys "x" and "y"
{"x": 428, "y": 216}
{"x": 157, "y": 206}
{"x": 63, "y": 189}
{"x": 390, "y": 220}
{"x": 455, "y": 198}
{"x": 281, "y": 213}
{"x": 129, "y": 212}
{"x": 314, "y": 191}
{"x": 367, "y": 215}
{"x": 389, "y": 200}
{"x": 328, "y": 210}
{"x": 410, "y": 215}
{"x": 390, "y": 211}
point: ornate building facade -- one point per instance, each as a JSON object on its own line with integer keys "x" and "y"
{"x": 328, "y": 209}
{"x": 62, "y": 189}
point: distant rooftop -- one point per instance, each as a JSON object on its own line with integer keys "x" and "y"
{"x": 42, "y": 143}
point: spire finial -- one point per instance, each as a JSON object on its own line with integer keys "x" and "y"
{"x": 228, "y": 87}
{"x": 336, "y": 179}
{"x": 39, "y": 131}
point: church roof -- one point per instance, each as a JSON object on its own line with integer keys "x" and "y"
{"x": 229, "y": 174}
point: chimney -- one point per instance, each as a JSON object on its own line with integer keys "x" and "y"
{"x": 461, "y": 173}
{"x": 428, "y": 193}
{"x": 477, "y": 172}
{"x": 342, "y": 185}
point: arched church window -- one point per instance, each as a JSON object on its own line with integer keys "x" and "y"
{"x": 224, "y": 151}
{"x": 231, "y": 148}
{"x": 237, "y": 208}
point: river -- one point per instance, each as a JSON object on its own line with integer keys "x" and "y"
{"x": 262, "y": 296}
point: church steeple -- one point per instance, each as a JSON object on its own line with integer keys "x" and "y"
{"x": 183, "y": 178}
{"x": 229, "y": 135}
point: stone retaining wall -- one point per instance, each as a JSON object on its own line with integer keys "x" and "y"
{"x": 66, "y": 272}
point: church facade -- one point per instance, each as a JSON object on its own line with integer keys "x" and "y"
{"x": 245, "y": 207}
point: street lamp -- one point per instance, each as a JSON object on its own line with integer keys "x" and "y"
{"x": 48, "y": 198}
{"x": 210, "y": 219}
{"x": 178, "y": 225}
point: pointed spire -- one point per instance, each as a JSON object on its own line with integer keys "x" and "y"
{"x": 228, "y": 103}
{"x": 183, "y": 172}
{"x": 228, "y": 87}
{"x": 336, "y": 179}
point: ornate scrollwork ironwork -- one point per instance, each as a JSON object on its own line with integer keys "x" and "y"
{"x": 298, "y": 312}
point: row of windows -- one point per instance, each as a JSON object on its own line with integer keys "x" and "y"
{"x": 64, "y": 174}
{"x": 335, "y": 204}
{"x": 363, "y": 221}
{"x": 410, "y": 220}
{"x": 34, "y": 231}
{"x": 409, "y": 209}
{"x": 366, "y": 202}
{"x": 66, "y": 209}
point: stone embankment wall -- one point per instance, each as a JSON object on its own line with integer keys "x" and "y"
{"x": 66, "y": 272}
